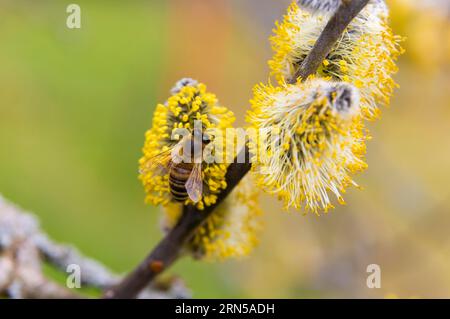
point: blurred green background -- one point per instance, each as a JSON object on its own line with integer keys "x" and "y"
{"x": 75, "y": 103}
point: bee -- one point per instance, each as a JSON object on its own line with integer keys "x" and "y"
{"x": 185, "y": 172}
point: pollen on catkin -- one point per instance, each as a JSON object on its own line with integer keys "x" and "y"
{"x": 189, "y": 102}
{"x": 364, "y": 55}
{"x": 232, "y": 229}
{"x": 314, "y": 141}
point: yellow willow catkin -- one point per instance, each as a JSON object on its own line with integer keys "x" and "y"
{"x": 189, "y": 102}
{"x": 316, "y": 141}
{"x": 364, "y": 55}
{"x": 232, "y": 229}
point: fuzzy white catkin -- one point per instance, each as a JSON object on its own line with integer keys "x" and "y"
{"x": 182, "y": 83}
{"x": 326, "y": 6}
{"x": 320, "y": 5}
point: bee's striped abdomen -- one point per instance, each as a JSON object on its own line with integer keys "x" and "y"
{"x": 179, "y": 174}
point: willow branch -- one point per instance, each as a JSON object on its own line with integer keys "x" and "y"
{"x": 168, "y": 250}
{"x": 25, "y": 248}
{"x": 334, "y": 29}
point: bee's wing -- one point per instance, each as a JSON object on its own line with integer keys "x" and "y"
{"x": 161, "y": 161}
{"x": 194, "y": 185}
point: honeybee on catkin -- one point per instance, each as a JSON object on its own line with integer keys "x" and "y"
{"x": 184, "y": 128}
{"x": 185, "y": 169}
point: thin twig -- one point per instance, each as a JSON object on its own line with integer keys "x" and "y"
{"x": 169, "y": 248}
{"x": 25, "y": 248}
{"x": 167, "y": 251}
{"x": 333, "y": 30}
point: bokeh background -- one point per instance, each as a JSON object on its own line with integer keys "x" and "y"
{"x": 74, "y": 106}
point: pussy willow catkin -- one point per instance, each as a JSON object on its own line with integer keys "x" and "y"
{"x": 189, "y": 102}
{"x": 319, "y": 5}
{"x": 315, "y": 141}
{"x": 232, "y": 229}
{"x": 364, "y": 55}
